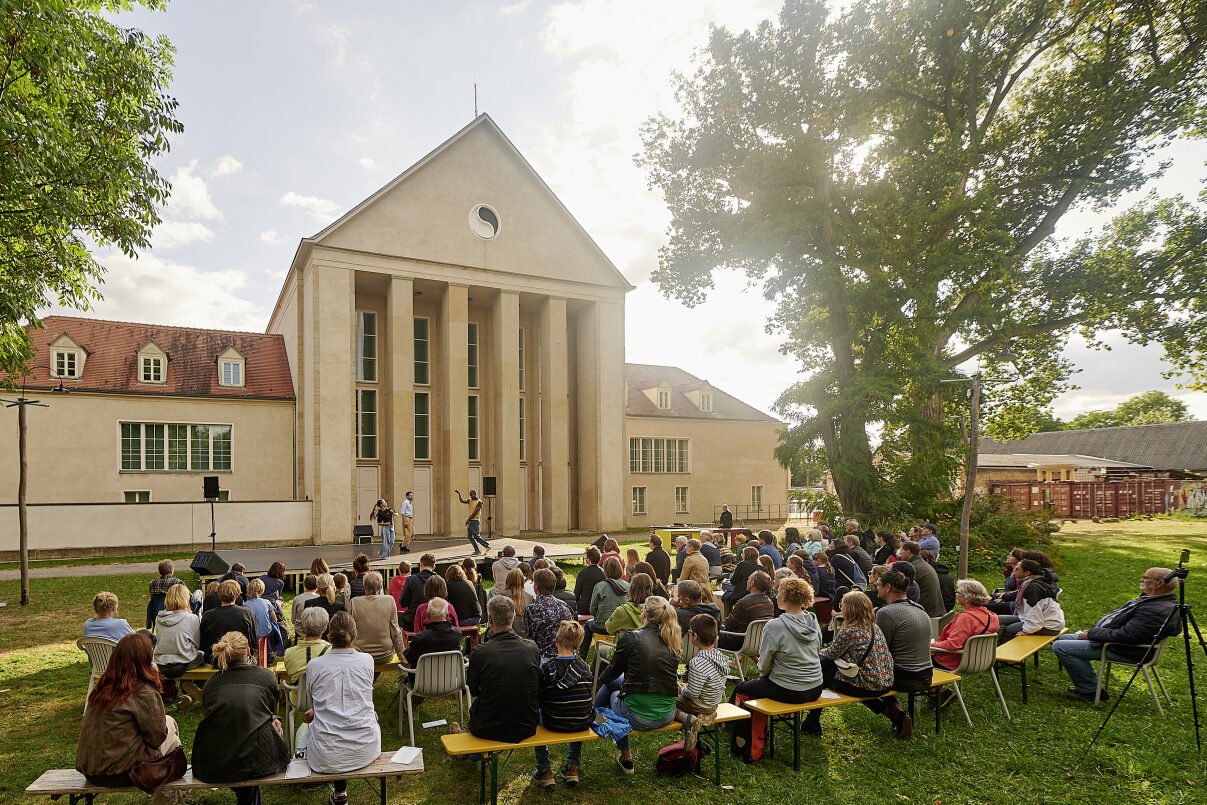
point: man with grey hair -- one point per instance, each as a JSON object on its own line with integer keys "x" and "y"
{"x": 690, "y": 603}
{"x": 440, "y": 635}
{"x": 376, "y": 618}
{"x": 680, "y": 555}
{"x": 504, "y": 679}
{"x": 867, "y": 539}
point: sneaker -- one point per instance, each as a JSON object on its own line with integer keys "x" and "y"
{"x": 544, "y": 779}
{"x": 568, "y": 775}
{"x": 626, "y": 766}
{"x": 904, "y": 725}
{"x": 454, "y": 728}
{"x": 338, "y": 798}
{"x": 184, "y": 702}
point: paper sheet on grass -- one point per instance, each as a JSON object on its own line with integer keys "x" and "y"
{"x": 440, "y": 722}
{"x": 829, "y": 694}
{"x": 298, "y": 767}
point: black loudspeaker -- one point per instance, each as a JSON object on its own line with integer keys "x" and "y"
{"x": 599, "y": 543}
{"x": 488, "y": 486}
{"x": 362, "y": 534}
{"x": 208, "y": 563}
{"x": 211, "y": 487}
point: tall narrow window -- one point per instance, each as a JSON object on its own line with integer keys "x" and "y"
{"x": 659, "y": 455}
{"x": 153, "y": 436}
{"x": 523, "y": 417}
{"x": 634, "y": 455}
{"x": 756, "y": 497}
{"x": 366, "y": 423}
{"x": 706, "y": 401}
{"x": 639, "y": 500}
{"x": 222, "y": 447}
{"x": 680, "y": 500}
{"x": 366, "y": 347}
{"x": 472, "y": 345}
{"x": 131, "y": 446}
{"x": 199, "y": 444}
{"x": 178, "y": 447}
{"x": 423, "y": 369}
{"x": 520, "y": 359}
{"x": 423, "y": 426}
{"x": 473, "y": 427}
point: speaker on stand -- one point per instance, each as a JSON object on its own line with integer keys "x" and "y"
{"x": 489, "y": 490}
{"x": 210, "y": 491}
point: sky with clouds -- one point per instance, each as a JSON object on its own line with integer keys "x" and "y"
{"x": 296, "y": 111}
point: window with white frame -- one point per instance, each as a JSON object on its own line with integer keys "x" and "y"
{"x": 137, "y": 496}
{"x": 230, "y": 372}
{"x": 664, "y": 399}
{"x": 423, "y": 366}
{"x": 658, "y": 455}
{"x": 639, "y": 500}
{"x": 706, "y": 401}
{"x": 164, "y": 447}
{"x": 366, "y": 423}
{"x": 520, "y": 359}
{"x": 756, "y": 497}
{"x": 66, "y": 364}
{"x": 472, "y": 351}
{"x": 423, "y": 426}
{"x": 523, "y": 417}
{"x": 680, "y": 500}
{"x": 152, "y": 369}
{"x": 472, "y": 428}
{"x": 366, "y": 346}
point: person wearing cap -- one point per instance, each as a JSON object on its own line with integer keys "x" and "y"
{"x": 929, "y": 540}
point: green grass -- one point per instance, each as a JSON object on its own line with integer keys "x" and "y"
{"x": 1037, "y": 757}
{"x": 100, "y": 560}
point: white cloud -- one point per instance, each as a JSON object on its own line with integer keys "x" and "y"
{"x": 270, "y": 236}
{"x": 515, "y": 8}
{"x": 190, "y": 196}
{"x": 174, "y": 234}
{"x": 226, "y": 165}
{"x": 321, "y": 209}
{"x": 368, "y": 164}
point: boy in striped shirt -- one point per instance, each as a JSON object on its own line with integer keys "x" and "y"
{"x": 566, "y": 703}
{"x": 705, "y": 685}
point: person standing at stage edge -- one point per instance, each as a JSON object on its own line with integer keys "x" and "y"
{"x": 385, "y": 519}
{"x": 473, "y": 523}
{"x": 408, "y": 522}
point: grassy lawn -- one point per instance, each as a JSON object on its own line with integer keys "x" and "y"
{"x": 1037, "y": 757}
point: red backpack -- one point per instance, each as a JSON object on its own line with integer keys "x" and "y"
{"x": 677, "y": 761}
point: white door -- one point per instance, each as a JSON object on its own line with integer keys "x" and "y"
{"x": 423, "y": 499}
{"x": 524, "y": 497}
{"x": 475, "y": 481}
{"x": 366, "y": 492}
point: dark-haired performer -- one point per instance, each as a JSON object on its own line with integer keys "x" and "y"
{"x": 473, "y": 523}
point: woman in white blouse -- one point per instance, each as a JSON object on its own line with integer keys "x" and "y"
{"x": 343, "y": 734}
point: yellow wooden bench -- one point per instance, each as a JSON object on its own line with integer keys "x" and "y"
{"x": 204, "y": 672}
{"x": 780, "y": 711}
{"x": 1017, "y": 650}
{"x": 57, "y": 782}
{"x": 466, "y": 744}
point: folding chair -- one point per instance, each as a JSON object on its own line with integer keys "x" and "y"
{"x": 297, "y": 700}
{"x": 978, "y": 656}
{"x": 751, "y": 639}
{"x": 1104, "y": 671}
{"x": 438, "y": 674}
{"x": 937, "y": 624}
{"x": 98, "y": 650}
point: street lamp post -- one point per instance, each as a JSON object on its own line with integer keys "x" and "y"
{"x": 22, "y": 515}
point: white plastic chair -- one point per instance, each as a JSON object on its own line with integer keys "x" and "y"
{"x": 978, "y": 656}
{"x": 297, "y": 700}
{"x": 937, "y": 624}
{"x": 1104, "y": 671}
{"x": 603, "y": 653}
{"x": 751, "y": 639}
{"x": 98, "y": 650}
{"x": 439, "y": 674}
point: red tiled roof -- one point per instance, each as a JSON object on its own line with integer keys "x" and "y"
{"x": 192, "y": 368}
{"x": 641, "y": 376}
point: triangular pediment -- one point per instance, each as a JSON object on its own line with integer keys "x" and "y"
{"x": 430, "y": 213}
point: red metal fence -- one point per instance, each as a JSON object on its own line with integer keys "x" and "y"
{"x": 1095, "y": 498}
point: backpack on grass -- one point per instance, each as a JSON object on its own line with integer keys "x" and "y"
{"x": 678, "y": 761}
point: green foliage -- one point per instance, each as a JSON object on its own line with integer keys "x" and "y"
{"x": 1148, "y": 408}
{"x": 83, "y": 114}
{"x": 893, "y": 173}
{"x": 995, "y": 528}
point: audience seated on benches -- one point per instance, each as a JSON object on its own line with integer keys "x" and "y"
{"x": 906, "y": 628}
{"x": 504, "y": 679}
{"x": 376, "y": 618}
{"x": 753, "y": 606}
{"x": 690, "y": 605}
{"x": 545, "y": 614}
{"x": 240, "y": 736}
{"x": 566, "y": 705}
{"x": 641, "y": 682}
{"x": 789, "y": 664}
{"x": 229, "y": 617}
{"x": 125, "y": 721}
{"x": 343, "y": 735}
{"x": 704, "y": 686}
{"x": 861, "y": 642}
{"x": 104, "y": 623}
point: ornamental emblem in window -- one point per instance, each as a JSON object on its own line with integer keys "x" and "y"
{"x": 484, "y": 221}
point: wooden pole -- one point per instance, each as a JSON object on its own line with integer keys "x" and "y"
{"x": 22, "y": 515}
{"x": 974, "y": 432}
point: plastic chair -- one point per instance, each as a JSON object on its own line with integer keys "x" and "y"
{"x": 978, "y": 656}
{"x": 751, "y": 639}
{"x": 1104, "y": 671}
{"x": 439, "y": 674}
{"x": 603, "y": 652}
{"x": 297, "y": 700}
{"x": 937, "y": 624}
{"x": 98, "y": 650}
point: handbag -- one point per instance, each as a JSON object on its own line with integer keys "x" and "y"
{"x": 152, "y": 775}
{"x": 851, "y": 669}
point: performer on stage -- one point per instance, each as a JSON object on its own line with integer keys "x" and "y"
{"x": 473, "y": 523}
{"x": 408, "y": 522}
{"x": 385, "y": 519}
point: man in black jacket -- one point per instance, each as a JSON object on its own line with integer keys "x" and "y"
{"x": 411, "y": 595}
{"x": 692, "y": 603}
{"x": 947, "y": 585}
{"x": 504, "y": 679}
{"x": 1134, "y": 624}
{"x": 659, "y": 559}
{"x": 587, "y": 578}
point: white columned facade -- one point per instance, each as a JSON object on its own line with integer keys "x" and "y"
{"x": 555, "y": 476}
{"x": 504, "y": 394}
{"x": 452, "y": 470}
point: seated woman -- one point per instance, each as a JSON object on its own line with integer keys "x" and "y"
{"x": 825, "y": 576}
{"x": 343, "y": 734}
{"x": 641, "y": 682}
{"x": 326, "y": 597}
{"x": 210, "y": 600}
{"x": 125, "y": 722}
{"x": 792, "y": 537}
{"x": 606, "y": 596}
{"x": 611, "y": 548}
{"x": 886, "y": 548}
{"x": 356, "y": 579}
{"x": 859, "y": 641}
{"x": 376, "y": 618}
{"x": 976, "y": 619}
{"x": 513, "y": 588}
{"x": 274, "y": 588}
{"x": 628, "y": 615}
{"x": 816, "y": 542}
{"x": 435, "y": 587}
{"x": 461, "y": 596}
{"x": 470, "y": 568}
{"x": 1036, "y": 610}
{"x": 789, "y": 663}
{"x": 240, "y": 736}
{"x": 311, "y": 625}
{"x": 105, "y": 623}
{"x": 648, "y": 569}
{"x": 631, "y": 558}
{"x": 178, "y": 647}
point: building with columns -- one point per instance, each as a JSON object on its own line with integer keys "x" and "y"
{"x": 469, "y": 327}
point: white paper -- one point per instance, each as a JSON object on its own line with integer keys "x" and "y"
{"x": 406, "y": 755}
{"x": 298, "y": 767}
{"x": 829, "y": 694}
{"x": 427, "y": 725}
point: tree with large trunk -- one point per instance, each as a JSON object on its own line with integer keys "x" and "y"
{"x": 893, "y": 175}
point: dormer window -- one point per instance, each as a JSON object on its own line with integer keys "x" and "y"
{"x": 66, "y": 363}
{"x": 664, "y": 399}
{"x": 706, "y": 401}
{"x": 152, "y": 369}
{"x": 231, "y": 369}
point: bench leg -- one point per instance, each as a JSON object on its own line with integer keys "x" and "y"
{"x": 716, "y": 750}
{"x": 796, "y": 741}
{"x": 1023, "y": 666}
{"x": 482, "y": 784}
{"x": 494, "y": 780}
{"x": 85, "y": 798}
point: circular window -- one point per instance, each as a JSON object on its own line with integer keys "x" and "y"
{"x": 484, "y": 221}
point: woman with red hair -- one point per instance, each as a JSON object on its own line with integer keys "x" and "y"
{"x": 125, "y": 722}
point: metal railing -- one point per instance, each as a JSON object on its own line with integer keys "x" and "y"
{"x": 794, "y": 511}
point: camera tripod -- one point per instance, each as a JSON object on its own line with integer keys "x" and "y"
{"x": 1186, "y": 621}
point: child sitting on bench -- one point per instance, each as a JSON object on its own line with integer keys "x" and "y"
{"x": 704, "y": 687}
{"x": 566, "y": 703}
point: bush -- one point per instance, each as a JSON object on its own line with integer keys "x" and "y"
{"x": 995, "y": 528}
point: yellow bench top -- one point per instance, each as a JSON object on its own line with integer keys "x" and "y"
{"x": 770, "y": 707}
{"x": 1023, "y": 646}
{"x": 206, "y": 671}
{"x": 463, "y": 743}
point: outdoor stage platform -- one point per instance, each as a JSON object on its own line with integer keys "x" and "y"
{"x": 297, "y": 558}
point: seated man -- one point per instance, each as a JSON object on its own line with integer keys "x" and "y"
{"x": 440, "y": 635}
{"x": 906, "y": 628}
{"x": 753, "y": 606}
{"x": 236, "y": 574}
{"x": 504, "y": 679}
{"x": 690, "y": 603}
{"x": 659, "y": 559}
{"x": 506, "y": 563}
{"x": 1135, "y": 623}
{"x": 712, "y": 553}
{"x": 411, "y": 595}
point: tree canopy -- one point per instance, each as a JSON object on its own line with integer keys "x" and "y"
{"x": 83, "y": 113}
{"x": 893, "y": 175}
{"x": 1148, "y": 408}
